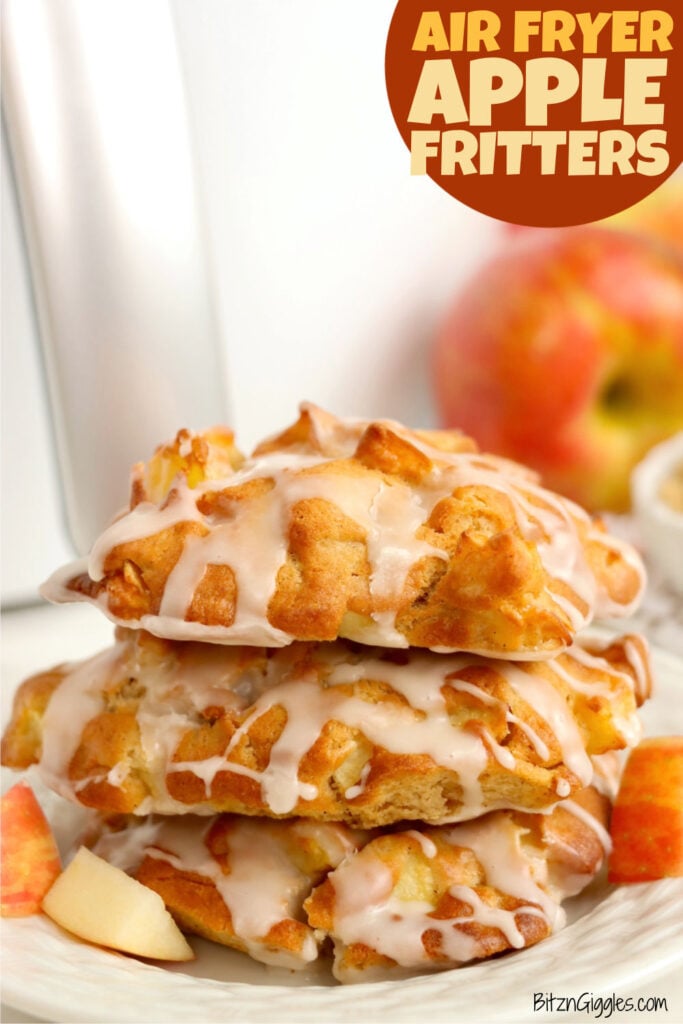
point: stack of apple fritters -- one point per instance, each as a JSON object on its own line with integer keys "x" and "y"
{"x": 346, "y": 704}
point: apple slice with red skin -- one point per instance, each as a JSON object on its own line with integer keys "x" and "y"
{"x": 647, "y": 820}
{"x": 30, "y": 858}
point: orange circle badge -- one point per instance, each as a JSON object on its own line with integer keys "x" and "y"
{"x": 539, "y": 117}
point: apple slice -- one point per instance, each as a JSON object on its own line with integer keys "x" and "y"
{"x": 647, "y": 820}
{"x": 30, "y": 859}
{"x": 99, "y": 902}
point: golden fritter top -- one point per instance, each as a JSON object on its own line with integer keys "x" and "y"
{"x": 357, "y": 529}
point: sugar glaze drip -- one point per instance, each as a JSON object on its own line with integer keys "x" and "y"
{"x": 179, "y": 685}
{"x": 252, "y": 538}
{"x": 369, "y": 911}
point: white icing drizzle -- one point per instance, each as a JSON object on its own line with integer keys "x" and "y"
{"x": 311, "y": 685}
{"x": 114, "y": 777}
{"x": 397, "y": 512}
{"x": 56, "y": 587}
{"x": 246, "y": 543}
{"x": 541, "y": 695}
{"x": 639, "y": 665}
{"x": 496, "y": 843}
{"x": 261, "y": 885}
{"x": 178, "y": 629}
{"x": 579, "y": 653}
{"x": 463, "y": 686}
{"x": 492, "y": 917}
{"x": 428, "y": 698}
{"x": 592, "y": 822}
{"x": 252, "y": 540}
{"x": 607, "y": 773}
{"x": 628, "y": 724}
{"x": 576, "y": 619}
{"x": 262, "y": 888}
{"x": 191, "y": 679}
{"x": 558, "y": 544}
{"x": 503, "y": 756}
{"x": 77, "y": 700}
{"x": 562, "y": 787}
{"x": 599, "y": 687}
{"x": 175, "y": 683}
{"x": 428, "y": 845}
{"x": 144, "y": 520}
{"x": 368, "y": 911}
{"x": 126, "y": 849}
{"x": 335, "y": 840}
{"x": 395, "y": 728}
{"x": 537, "y": 743}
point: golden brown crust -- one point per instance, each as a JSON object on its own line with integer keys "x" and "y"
{"x": 572, "y": 850}
{"x": 240, "y": 882}
{"x": 448, "y": 894}
{"x": 375, "y": 533}
{"x": 198, "y": 906}
{"x": 22, "y": 741}
{"x": 418, "y": 898}
{"x": 195, "y": 902}
{"x": 335, "y": 732}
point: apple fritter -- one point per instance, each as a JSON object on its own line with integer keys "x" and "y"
{"x": 238, "y": 881}
{"x": 427, "y": 899}
{"x": 353, "y": 529}
{"x": 392, "y": 901}
{"x": 334, "y": 731}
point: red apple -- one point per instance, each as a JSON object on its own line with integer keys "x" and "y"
{"x": 566, "y": 352}
{"x": 30, "y": 859}
{"x": 647, "y": 820}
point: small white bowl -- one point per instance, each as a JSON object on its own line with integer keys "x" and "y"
{"x": 660, "y": 524}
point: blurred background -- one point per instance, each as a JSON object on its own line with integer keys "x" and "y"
{"x": 208, "y": 216}
{"x": 328, "y": 266}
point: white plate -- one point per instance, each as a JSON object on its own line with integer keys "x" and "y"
{"x": 618, "y": 938}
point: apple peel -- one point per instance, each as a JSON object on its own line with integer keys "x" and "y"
{"x": 30, "y": 858}
{"x": 647, "y": 820}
